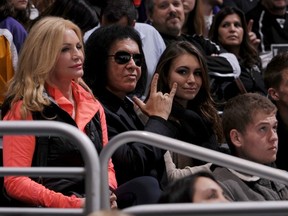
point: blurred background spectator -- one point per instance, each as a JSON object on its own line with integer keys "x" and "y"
{"x": 229, "y": 30}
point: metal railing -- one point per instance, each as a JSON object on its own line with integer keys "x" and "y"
{"x": 91, "y": 171}
{"x": 196, "y": 152}
{"x": 259, "y": 208}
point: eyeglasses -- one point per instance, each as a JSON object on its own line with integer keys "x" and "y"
{"x": 123, "y": 57}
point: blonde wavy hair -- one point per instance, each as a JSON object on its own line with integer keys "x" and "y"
{"x": 37, "y": 60}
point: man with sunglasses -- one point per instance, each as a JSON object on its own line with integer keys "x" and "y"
{"x": 123, "y": 12}
{"x": 115, "y": 70}
{"x": 123, "y": 57}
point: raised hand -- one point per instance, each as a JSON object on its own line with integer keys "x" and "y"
{"x": 252, "y": 36}
{"x": 158, "y": 104}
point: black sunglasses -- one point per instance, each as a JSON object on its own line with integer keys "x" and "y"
{"x": 123, "y": 57}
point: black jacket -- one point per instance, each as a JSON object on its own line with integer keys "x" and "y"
{"x": 252, "y": 80}
{"x": 194, "y": 129}
{"x": 134, "y": 159}
{"x": 60, "y": 152}
{"x": 282, "y": 131}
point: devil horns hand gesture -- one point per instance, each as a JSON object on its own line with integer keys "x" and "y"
{"x": 158, "y": 104}
{"x": 252, "y": 36}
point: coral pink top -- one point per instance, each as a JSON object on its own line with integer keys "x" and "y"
{"x": 18, "y": 151}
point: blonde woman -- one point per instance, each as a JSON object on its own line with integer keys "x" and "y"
{"x": 48, "y": 86}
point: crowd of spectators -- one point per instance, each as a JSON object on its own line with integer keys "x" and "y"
{"x": 212, "y": 73}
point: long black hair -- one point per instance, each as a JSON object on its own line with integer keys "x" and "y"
{"x": 248, "y": 54}
{"x": 97, "y": 49}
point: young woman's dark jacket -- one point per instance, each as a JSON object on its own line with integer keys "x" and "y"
{"x": 194, "y": 129}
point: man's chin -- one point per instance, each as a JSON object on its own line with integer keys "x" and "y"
{"x": 174, "y": 30}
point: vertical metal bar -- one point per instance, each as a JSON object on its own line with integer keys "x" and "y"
{"x": 87, "y": 149}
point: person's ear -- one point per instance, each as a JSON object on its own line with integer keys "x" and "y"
{"x": 273, "y": 94}
{"x": 133, "y": 23}
{"x": 236, "y": 138}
